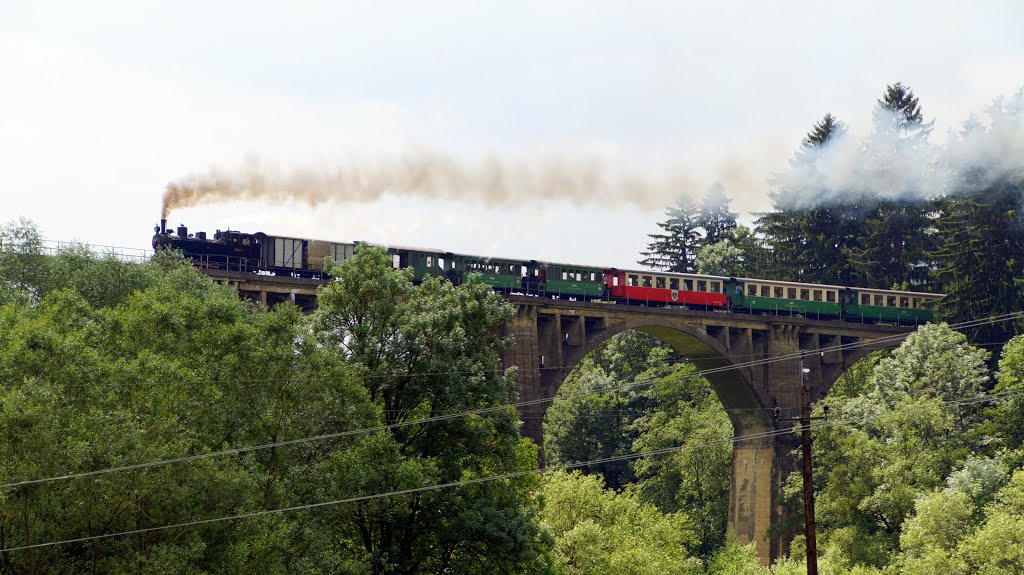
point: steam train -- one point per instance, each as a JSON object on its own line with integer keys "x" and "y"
{"x": 297, "y": 257}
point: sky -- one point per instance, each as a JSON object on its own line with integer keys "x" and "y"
{"x": 103, "y": 104}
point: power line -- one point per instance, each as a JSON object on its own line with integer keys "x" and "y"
{"x": 450, "y": 416}
{"x": 479, "y": 480}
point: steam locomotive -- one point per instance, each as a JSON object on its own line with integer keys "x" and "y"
{"x": 297, "y": 257}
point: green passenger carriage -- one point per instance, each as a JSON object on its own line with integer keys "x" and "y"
{"x": 573, "y": 280}
{"x": 785, "y": 297}
{"x": 501, "y": 274}
{"x": 896, "y": 306}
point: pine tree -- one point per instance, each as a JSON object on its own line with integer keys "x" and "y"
{"x": 715, "y": 218}
{"x": 675, "y": 249}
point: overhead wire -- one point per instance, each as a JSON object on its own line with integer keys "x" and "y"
{"x": 450, "y": 416}
{"x": 479, "y": 480}
{"x": 455, "y": 415}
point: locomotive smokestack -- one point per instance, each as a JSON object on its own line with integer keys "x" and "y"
{"x": 163, "y": 225}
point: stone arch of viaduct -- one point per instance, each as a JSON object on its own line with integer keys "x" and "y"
{"x": 552, "y": 336}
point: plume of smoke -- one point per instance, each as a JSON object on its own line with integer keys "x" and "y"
{"x": 491, "y": 182}
{"x": 888, "y": 166}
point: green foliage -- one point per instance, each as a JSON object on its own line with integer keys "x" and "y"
{"x": 105, "y": 364}
{"x": 981, "y": 229}
{"x": 424, "y": 351}
{"x": 181, "y": 367}
{"x": 599, "y": 531}
{"x": 735, "y": 558}
{"x": 670, "y": 408}
{"x": 592, "y": 419}
{"x": 906, "y": 442}
{"x": 740, "y": 254}
{"x": 693, "y": 479}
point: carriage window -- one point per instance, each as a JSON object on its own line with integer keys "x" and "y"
{"x": 673, "y": 283}
{"x": 615, "y": 281}
{"x": 751, "y": 289}
{"x": 716, "y": 287}
{"x": 916, "y": 303}
{"x": 579, "y": 276}
{"x": 659, "y": 283}
{"x": 396, "y": 261}
{"x": 564, "y": 275}
{"x": 890, "y": 301}
{"x": 702, "y": 285}
{"x": 777, "y": 292}
{"x": 647, "y": 281}
{"x": 430, "y": 261}
{"x": 632, "y": 280}
{"x": 830, "y": 296}
{"x": 879, "y": 300}
{"x": 817, "y": 295}
{"x": 805, "y": 294}
{"x": 593, "y": 276}
{"x": 766, "y": 291}
{"x": 688, "y": 285}
{"x": 904, "y": 301}
{"x": 865, "y": 299}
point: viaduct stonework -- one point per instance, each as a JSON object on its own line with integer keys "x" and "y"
{"x": 552, "y": 336}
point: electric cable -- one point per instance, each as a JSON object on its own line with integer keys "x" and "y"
{"x": 480, "y": 480}
{"x": 443, "y": 417}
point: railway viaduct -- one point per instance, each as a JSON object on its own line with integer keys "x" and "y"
{"x": 758, "y": 369}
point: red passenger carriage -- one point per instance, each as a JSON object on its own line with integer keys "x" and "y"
{"x": 666, "y": 288}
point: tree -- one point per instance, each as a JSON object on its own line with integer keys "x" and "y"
{"x": 814, "y": 225}
{"x": 715, "y": 218}
{"x": 739, "y": 255}
{"x": 896, "y": 240}
{"x": 912, "y": 434}
{"x": 176, "y": 368}
{"x": 694, "y": 480}
{"x": 425, "y": 351}
{"x": 21, "y": 260}
{"x": 676, "y": 249}
{"x": 592, "y": 419}
{"x": 598, "y": 531}
{"x": 981, "y": 227}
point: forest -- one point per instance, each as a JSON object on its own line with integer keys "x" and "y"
{"x": 151, "y": 421}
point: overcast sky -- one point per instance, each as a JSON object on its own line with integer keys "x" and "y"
{"x": 102, "y": 104}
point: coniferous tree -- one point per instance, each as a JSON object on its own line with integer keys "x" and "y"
{"x": 896, "y": 236}
{"x": 676, "y": 249}
{"x": 812, "y": 228}
{"x": 715, "y": 218}
{"x": 981, "y": 226}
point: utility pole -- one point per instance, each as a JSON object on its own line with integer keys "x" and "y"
{"x": 810, "y": 527}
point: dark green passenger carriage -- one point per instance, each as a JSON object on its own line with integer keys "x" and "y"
{"x": 895, "y": 306}
{"x": 501, "y": 274}
{"x": 570, "y": 280}
{"x": 778, "y": 297}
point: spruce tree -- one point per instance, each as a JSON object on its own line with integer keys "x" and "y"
{"x": 980, "y": 260}
{"x": 895, "y": 241}
{"x": 812, "y": 228}
{"x": 676, "y": 249}
{"x": 715, "y": 218}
